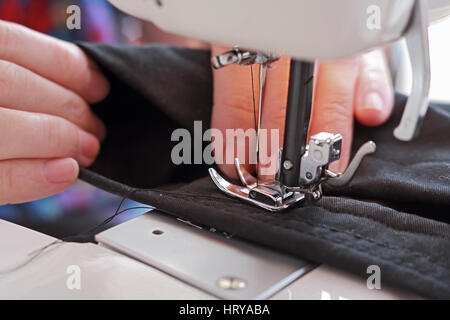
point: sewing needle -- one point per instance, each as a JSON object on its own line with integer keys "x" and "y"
{"x": 262, "y": 82}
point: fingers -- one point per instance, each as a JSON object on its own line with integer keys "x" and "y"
{"x": 28, "y": 135}
{"x": 28, "y": 180}
{"x": 374, "y": 91}
{"x": 44, "y": 96}
{"x": 56, "y": 60}
{"x": 233, "y": 108}
{"x": 333, "y": 103}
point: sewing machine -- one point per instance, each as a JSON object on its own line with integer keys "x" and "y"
{"x": 265, "y": 29}
{"x": 214, "y": 263}
{"x": 306, "y": 30}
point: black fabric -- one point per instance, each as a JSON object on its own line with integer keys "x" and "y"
{"x": 155, "y": 89}
{"x": 394, "y": 214}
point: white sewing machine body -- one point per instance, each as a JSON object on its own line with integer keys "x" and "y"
{"x": 304, "y": 29}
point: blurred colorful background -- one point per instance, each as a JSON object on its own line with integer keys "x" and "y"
{"x": 82, "y": 206}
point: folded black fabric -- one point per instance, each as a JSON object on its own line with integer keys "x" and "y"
{"x": 394, "y": 214}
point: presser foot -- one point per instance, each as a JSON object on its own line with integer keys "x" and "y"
{"x": 268, "y": 197}
{"x": 323, "y": 149}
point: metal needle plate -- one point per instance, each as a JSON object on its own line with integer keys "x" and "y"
{"x": 224, "y": 267}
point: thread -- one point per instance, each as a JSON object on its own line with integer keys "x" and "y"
{"x": 82, "y": 237}
{"x": 253, "y": 96}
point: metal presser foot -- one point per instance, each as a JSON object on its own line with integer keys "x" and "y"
{"x": 301, "y": 168}
{"x": 323, "y": 149}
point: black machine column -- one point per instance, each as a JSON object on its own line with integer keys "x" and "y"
{"x": 298, "y": 114}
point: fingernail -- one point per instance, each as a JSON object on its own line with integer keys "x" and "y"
{"x": 89, "y": 147}
{"x": 373, "y": 101}
{"x": 61, "y": 170}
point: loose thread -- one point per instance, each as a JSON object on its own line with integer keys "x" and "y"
{"x": 253, "y": 96}
{"x": 38, "y": 252}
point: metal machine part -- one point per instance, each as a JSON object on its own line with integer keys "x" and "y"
{"x": 225, "y": 267}
{"x": 243, "y": 58}
{"x": 323, "y": 149}
{"x": 276, "y": 196}
{"x": 298, "y": 113}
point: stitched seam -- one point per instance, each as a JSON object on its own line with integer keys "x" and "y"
{"x": 388, "y": 259}
{"x": 360, "y": 237}
{"x": 337, "y": 211}
{"x": 407, "y": 164}
{"x": 193, "y": 195}
{"x": 188, "y": 196}
{"x": 356, "y": 236}
{"x": 325, "y": 227}
{"x": 332, "y": 211}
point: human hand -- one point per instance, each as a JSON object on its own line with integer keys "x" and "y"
{"x": 358, "y": 87}
{"x": 46, "y": 126}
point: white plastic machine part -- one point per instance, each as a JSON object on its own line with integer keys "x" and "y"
{"x": 304, "y": 29}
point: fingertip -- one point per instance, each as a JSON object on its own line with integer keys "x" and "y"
{"x": 370, "y": 117}
{"x": 98, "y": 86}
{"x": 90, "y": 148}
{"x": 61, "y": 171}
{"x": 99, "y": 128}
{"x": 373, "y": 110}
